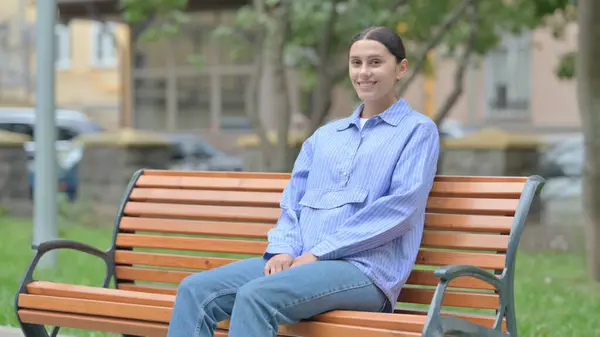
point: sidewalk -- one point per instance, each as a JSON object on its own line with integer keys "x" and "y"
{"x": 6, "y": 331}
{"x": 10, "y": 332}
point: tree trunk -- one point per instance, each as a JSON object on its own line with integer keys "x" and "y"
{"x": 588, "y": 89}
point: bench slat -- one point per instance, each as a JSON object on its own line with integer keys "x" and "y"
{"x": 431, "y": 239}
{"x": 241, "y": 198}
{"x": 506, "y": 190}
{"x": 408, "y": 295}
{"x": 219, "y": 174}
{"x": 469, "y": 223}
{"x": 114, "y": 325}
{"x": 229, "y": 184}
{"x": 158, "y": 225}
{"x": 159, "y": 314}
{"x": 447, "y": 222}
{"x": 451, "y": 298}
{"x": 271, "y": 215}
{"x": 212, "y": 190}
{"x": 459, "y": 178}
{"x": 258, "y": 214}
{"x": 263, "y": 199}
{"x": 425, "y": 257}
{"x": 417, "y": 277}
{"x": 286, "y": 176}
{"x": 191, "y": 244}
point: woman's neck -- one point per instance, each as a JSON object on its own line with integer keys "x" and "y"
{"x": 374, "y": 108}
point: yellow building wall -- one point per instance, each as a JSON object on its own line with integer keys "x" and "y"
{"x": 94, "y": 90}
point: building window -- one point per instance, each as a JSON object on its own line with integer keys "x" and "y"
{"x": 63, "y": 46}
{"x": 104, "y": 47}
{"x": 507, "y": 78}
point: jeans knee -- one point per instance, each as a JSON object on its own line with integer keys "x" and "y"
{"x": 252, "y": 292}
{"x": 191, "y": 284}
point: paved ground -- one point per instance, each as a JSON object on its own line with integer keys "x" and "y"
{"x": 10, "y": 332}
{"x": 14, "y": 332}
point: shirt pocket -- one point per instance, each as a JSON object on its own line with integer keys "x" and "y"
{"x": 329, "y": 199}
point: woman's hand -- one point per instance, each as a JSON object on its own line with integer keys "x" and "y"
{"x": 304, "y": 259}
{"x": 278, "y": 263}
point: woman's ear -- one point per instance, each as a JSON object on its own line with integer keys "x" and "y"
{"x": 401, "y": 69}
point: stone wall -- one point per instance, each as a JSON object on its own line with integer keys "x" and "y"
{"x": 109, "y": 162}
{"x": 14, "y": 188}
{"x": 493, "y": 152}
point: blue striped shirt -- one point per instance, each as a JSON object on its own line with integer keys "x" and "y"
{"x": 360, "y": 194}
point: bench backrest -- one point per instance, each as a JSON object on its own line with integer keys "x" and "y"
{"x": 175, "y": 223}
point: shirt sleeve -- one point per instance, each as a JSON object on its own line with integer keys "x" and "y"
{"x": 396, "y": 213}
{"x": 285, "y": 237}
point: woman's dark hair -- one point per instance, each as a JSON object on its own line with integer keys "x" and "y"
{"x": 386, "y": 37}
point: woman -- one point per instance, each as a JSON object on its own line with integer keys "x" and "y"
{"x": 352, "y": 215}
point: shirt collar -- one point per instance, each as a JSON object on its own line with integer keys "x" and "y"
{"x": 392, "y": 115}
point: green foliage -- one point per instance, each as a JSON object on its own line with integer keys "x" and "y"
{"x": 309, "y": 20}
{"x": 565, "y": 69}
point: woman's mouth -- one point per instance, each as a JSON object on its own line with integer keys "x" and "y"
{"x": 366, "y": 84}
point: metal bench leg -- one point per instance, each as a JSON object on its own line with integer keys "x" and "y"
{"x": 34, "y": 330}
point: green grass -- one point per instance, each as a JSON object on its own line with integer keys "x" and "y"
{"x": 555, "y": 296}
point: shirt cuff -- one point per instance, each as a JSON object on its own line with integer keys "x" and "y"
{"x": 273, "y": 250}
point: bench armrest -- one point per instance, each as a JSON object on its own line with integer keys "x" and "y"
{"x": 48, "y": 246}
{"x": 448, "y": 273}
{"x": 436, "y": 325}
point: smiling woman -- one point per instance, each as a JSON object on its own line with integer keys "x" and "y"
{"x": 349, "y": 231}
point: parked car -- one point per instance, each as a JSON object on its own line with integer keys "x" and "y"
{"x": 191, "y": 152}
{"x": 69, "y": 124}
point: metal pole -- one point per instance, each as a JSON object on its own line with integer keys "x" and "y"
{"x": 45, "y": 187}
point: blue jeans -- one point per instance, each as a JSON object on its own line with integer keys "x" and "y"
{"x": 257, "y": 304}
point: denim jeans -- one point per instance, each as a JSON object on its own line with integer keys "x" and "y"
{"x": 257, "y": 304}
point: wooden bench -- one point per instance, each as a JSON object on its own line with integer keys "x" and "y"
{"x": 172, "y": 223}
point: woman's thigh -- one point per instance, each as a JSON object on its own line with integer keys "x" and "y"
{"x": 302, "y": 292}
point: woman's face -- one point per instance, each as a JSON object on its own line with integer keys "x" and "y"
{"x": 373, "y": 70}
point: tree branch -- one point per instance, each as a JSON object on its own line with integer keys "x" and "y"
{"x": 459, "y": 74}
{"x": 433, "y": 42}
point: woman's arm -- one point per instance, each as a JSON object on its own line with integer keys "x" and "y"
{"x": 285, "y": 238}
{"x": 393, "y": 215}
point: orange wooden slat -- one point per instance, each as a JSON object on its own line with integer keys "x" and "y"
{"x": 170, "y": 260}
{"x": 264, "y": 199}
{"x": 451, "y": 298}
{"x": 506, "y": 190}
{"x": 191, "y": 244}
{"x": 54, "y": 289}
{"x": 114, "y": 325}
{"x": 472, "y": 206}
{"x": 236, "y": 229}
{"x": 163, "y": 290}
{"x": 238, "y": 198}
{"x": 448, "y": 222}
{"x": 218, "y": 174}
{"x": 258, "y": 214}
{"x": 210, "y": 183}
{"x": 443, "y": 258}
{"x": 150, "y": 275}
{"x": 459, "y": 178}
{"x": 426, "y": 278}
{"x": 469, "y": 223}
{"x": 93, "y": 307}
{"x": 476, "y": 318}
{"x": 465, "y": 241}
{"x": 271, "y": 215}
{"x": 417, "y": 277}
